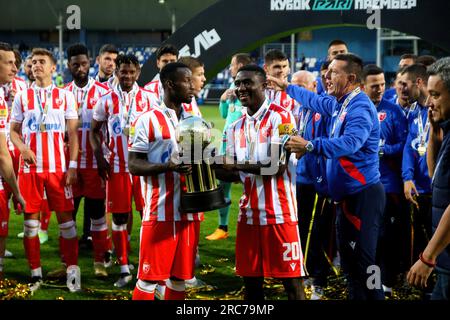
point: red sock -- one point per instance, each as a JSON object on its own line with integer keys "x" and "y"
{"x": 174, "y": 295}
{"x": 33, "y": 251}
{"x": 120, "y": 239}
{"x": 69, "y": 250}
{"x": 61, "y": 250}
{"x": 99, "y": 242}
{"x": 139, "y": 294}
{"x": 128, "y": 244}
{"x": 45, "y": 215}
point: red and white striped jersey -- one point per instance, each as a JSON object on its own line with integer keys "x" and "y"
{"x": 155, "y": 136}
{"x": 86, "y": 99}
{"x": 3, "y": 122}
{"x": 43, "y": 132}
{"x": 120, "y": 109}
{"x": 281, "y": 98}
{"x": 192, "y": 108}
{"x": 7, "y": 92}
{"x": 267, "y": 199}
{"x": 156, "y": 87}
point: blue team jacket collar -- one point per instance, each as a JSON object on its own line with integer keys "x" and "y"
{"x": 445, "y": 125}
{"x": 341, "y": 100}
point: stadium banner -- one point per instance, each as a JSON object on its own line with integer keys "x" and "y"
{"x": 231, "y": 26}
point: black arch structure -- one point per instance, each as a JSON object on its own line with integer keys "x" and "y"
{"x": 244, "y": 25}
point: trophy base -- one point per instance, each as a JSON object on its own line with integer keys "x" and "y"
{"x": 203, "y": 201}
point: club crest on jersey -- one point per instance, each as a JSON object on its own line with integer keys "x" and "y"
{"x": 381, "y": 116}
{"x": 93, "y": 101}
{"x": 286, "y": 104}
{"x": 146, "y": 267}
{"x": 142, "y": 104}
{"x": 317, "y": 117}
{"x": 58, "y": 102}
{"x": 342, "y": 117}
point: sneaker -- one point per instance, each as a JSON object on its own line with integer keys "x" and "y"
{"x": 43, "y": 236}
{"x": 195, "y": 283}
{"x": 387, "y": 291}
{"x": 20, "y": 235}
{"x": 124, "y": 279}
{"x": 130, "y": 266}
{"x": 35, "y": 284}
{"x": 85, "y": 243}
{"x": 219, "y": 234}
{"x": 100, "y": 270}
{"x": 307, "y": 282}
{"x": 108, "y": 259}
{"x": 8, "y": 254}
{"x": 58, "y": 274}
{"x": 73, "y": 278}
{"x": 316, "y": 293}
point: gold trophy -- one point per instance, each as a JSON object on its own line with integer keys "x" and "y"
{"x": 202, "y": 191}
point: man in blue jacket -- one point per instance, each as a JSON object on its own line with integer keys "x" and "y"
{"x": 352, "y": 168}
{"x": 417, "y": 183}
{"x": 437, "y": 253}
{"x": 394, "y": 130}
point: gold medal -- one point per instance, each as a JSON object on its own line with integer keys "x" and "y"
{"x": 231, "y": 107}
{"x": 126, "y": 131}
{"x": 42, "y": 127}
{"x": 422, "y": 150}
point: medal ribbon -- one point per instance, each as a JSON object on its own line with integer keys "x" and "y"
{"x": 344, "y": 106}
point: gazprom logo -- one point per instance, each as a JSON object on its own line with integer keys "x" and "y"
{"x": 117, "y": 129}
{"x": 33, "y": 126}
{"x": 165, "y": 156}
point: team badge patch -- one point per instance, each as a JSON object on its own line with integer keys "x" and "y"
{"x": 381, "y": 116}
{"x": 317, "y": 117}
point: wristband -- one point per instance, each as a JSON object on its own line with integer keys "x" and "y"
{"x": 73, "y": 164}
{"x": 426, "y": 262}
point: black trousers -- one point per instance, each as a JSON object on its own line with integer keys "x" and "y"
{"x": 322, "y": 234}
{"x": 359, "y": 219}
{"x": 393, "y": 254}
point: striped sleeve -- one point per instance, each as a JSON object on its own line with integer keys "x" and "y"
{"x": 140, "y": 141}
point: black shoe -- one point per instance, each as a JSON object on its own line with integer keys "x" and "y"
{"x": 85, "y": 243}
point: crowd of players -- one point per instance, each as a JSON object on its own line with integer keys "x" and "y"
{"x": 352, "y": 184}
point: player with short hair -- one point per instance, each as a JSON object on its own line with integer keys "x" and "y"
{"x": 169, "y": 238}
{"x": 8, "y": 182}
{"x": 165, "y": 54}
{"x": 106, "y": 64}
{"x": 41, "y": 115}
{"x": 336, "y": 47}
{"x": 117, "y": 110}
{"x": 230, "y": 109}
{"x": 87, "y": 92}
{"x": 267, "y": 240}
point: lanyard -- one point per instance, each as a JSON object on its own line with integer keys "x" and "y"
{"x": 344, "y": 106}
{"x": 84, "y": 93}
{"x": 303, "y": 119}
{"x": 411, "y": 109}
{"x": 251, "y": 137}
{"x": 422, "y": 132}
{"x": 48, "y": 99}
{"x": 6, "y": 91}
{"x": 129, "y": 108}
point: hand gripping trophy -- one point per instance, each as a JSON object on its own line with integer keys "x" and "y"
{"x": 202, "y": 192}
